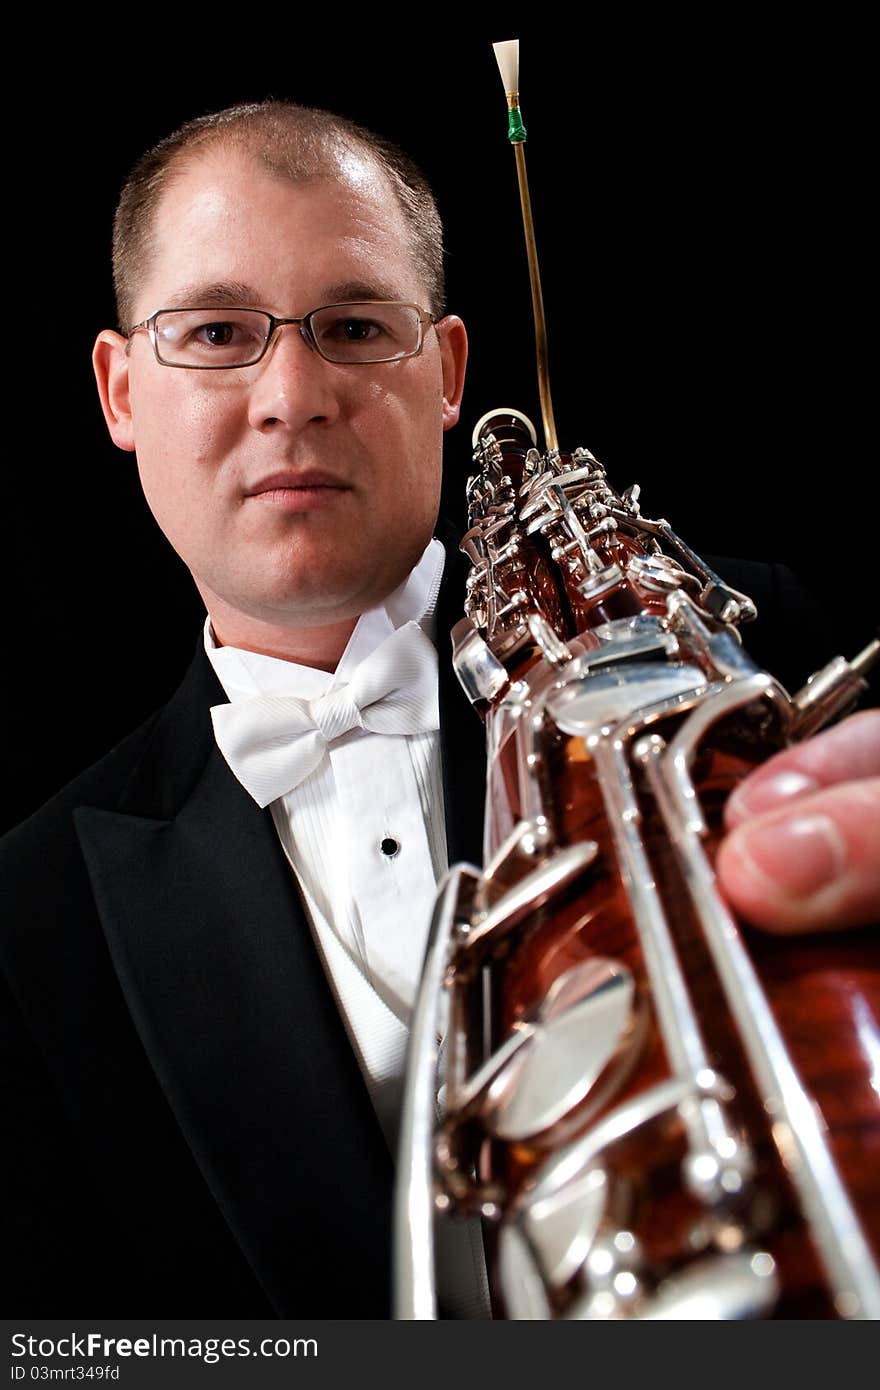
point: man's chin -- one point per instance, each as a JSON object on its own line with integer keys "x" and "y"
{"x": 306, "y": 607}
{"x": 321, "y": 593}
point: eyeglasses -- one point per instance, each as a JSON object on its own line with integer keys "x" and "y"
{"x": 209, "y": 339}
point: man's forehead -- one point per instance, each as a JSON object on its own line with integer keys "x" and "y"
{"x": 215, "y": 193}
{"x": 228, "y": 176}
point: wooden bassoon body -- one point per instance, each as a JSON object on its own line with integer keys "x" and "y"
{"x": 655, "y": 1112}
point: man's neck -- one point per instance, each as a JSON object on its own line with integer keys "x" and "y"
{"x": 321, "y": 647}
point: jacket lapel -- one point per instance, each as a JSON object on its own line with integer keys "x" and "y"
{"x": 216, "y": 962}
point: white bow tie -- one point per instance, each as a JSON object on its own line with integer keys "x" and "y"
{"x": 273, "y": 742}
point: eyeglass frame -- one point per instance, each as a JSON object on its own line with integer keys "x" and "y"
{"x": 303, "y": 324}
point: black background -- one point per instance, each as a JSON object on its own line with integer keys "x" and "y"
{"x": 700, "y": 189}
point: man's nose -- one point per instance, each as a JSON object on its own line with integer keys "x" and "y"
{"x": 293, "y": 385}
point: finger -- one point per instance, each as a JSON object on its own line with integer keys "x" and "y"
{"x": 808, "y": 866}
{"x": 846, "y": 753}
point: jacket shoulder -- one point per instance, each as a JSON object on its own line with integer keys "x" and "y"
{"x": 43, "y": 877}
{"x": 793, "y": 634}
{"x": 99, "y": 785}
{"x": 149, "y": 772}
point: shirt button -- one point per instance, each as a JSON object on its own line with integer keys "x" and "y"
{"x": 390, "y": 847}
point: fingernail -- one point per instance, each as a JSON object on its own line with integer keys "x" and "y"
{"x": 798, "y": 856}
{"x": 749, "y": 800}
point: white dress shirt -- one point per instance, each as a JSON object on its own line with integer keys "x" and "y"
{"x": 365, "y": 836}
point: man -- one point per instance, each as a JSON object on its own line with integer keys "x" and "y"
{"x": 208, "y": 994}
{"x": 302, "y": 494}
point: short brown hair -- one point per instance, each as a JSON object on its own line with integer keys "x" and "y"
{"x": 294, "y": 142}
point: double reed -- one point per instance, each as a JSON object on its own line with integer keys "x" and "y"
{"x": 654, "y": 1113}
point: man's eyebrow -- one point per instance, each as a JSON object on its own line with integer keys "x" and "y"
{"x": 218, "y": 294}
{"x": 349, "y": 291}
{"x": 213, "y": 294}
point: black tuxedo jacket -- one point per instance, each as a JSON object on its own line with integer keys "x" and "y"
{"x": 188, "y": 1130}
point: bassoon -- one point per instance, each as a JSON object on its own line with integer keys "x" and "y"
{"x": 653, "y": 1112}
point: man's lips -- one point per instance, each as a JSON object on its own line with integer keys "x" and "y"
{"x": 311, "y": 480}
{"x": 290, "y": 491}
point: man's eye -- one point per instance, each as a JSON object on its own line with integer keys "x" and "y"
{"x": 215, "y": 334}
{"x": 355, "y": 330}
{"x": 194, "y": 334}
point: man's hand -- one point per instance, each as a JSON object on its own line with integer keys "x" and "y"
{"x": 803, "y": 852}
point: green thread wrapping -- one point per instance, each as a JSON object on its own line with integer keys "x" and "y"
{"x": 515, "y": 128}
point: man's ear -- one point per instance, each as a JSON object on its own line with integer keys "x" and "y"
{"x": 453, "y": 352}
{"x": 110, "y": 361}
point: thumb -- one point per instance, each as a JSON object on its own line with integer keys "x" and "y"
{"x": 809, "y": 865}
{"x": 847, "y": 752}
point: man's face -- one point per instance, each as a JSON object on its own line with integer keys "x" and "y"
{"x": 210, "y": 444}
